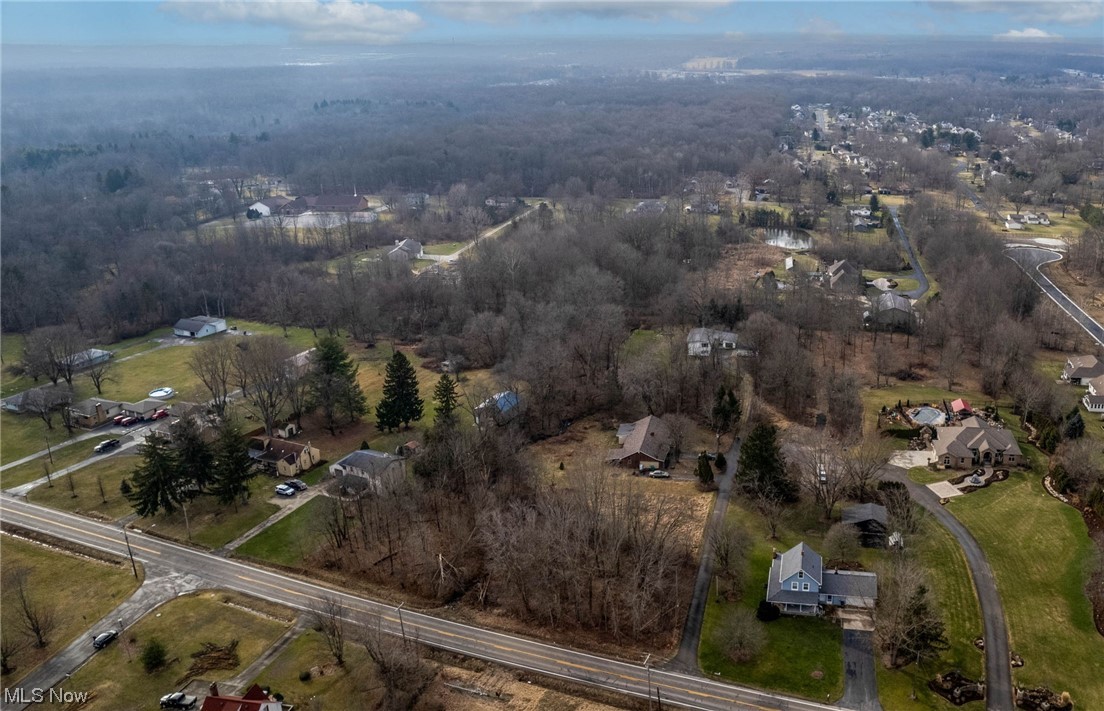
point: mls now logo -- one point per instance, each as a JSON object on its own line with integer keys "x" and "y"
{"x": 20, "y": 695}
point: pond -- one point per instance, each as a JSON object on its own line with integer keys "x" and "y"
{"x": 798, "y": 241}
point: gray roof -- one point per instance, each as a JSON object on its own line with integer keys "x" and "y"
{"x": 710, "y": 335}
{"x": 649, "y": 436}
{"x": 88, "y": 407}
{"x": 368, "y": 461}
{"x": 850, "y": 583}
{"x": 887, "y": 301}
{"x": 800, "y": 557}
{"x": 195, "y": 323}
{"x": 865, "y": 512}
{"x": 974, "y": 434}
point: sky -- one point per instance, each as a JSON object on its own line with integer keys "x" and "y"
{"x": 357, "y": 22}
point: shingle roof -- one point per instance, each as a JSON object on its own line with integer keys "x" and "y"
{"x": 801, "y": 557}
{"x": 974, "y": 434}
{"x": 887, "y": 300}
{"x": 865, "y": 512}
{"x": 195, "y": 323}
{"x": 1086, "y": 366}
{"x": 851, "y": 584}
{"x": 368, "y": 461}
{"x": 649, "y": 436}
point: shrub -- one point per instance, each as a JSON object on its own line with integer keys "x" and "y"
{"x": 305, "y": 675}
{"x": 743, "y": 635}
{"x": 124, "y": 487}
{"x": 153, "y": 655}
{"x": 767, "y": 612}
{"x": 720, "y": 462}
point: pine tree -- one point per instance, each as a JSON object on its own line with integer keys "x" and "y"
{"x": 401, "y": 403}
{"x": 155, "y": 483}
{"x": 232, "y": 468}
{"x": 762, "y": 467}
{"x": 194, "y": 458}
{"x": 1075, "y": 426}
{"x": 705, "y": 471}
{"x": 446, "y": 398}
{"x": 333, "y": 384}
{"x": 926, "y": 637}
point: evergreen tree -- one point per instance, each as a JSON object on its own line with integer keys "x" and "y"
{"x": 194, "y": 458}
{"x": 446, "y": 398}
{"x": 705, "y": 471}
{"x": 155, "y": 483}
{"x": 873, "y": 202}
{"x": 762, "y": 467}
{"x": 233, "y": 467}
{"x": 926, "y": 637}
{"x": 726, "y": 410}
{"x": 1075, "y": 426}
{"x": 401, "y": 403}
{"x": 333, "y": 384}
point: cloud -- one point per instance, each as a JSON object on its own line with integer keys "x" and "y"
{"x": 1061, "y": 12}
{"x": 504, "y": 11}
{"x": 1028, "y": 33}
{"x": 336, "y": 21}
{"x": 820, "y": 27}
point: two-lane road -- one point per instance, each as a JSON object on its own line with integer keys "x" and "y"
{"x": 1032, "y": 260}
{"x": 633, "y": 679}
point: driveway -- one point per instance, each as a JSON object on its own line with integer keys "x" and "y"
{"x": 860, "y": 681}
{"x": 998, "y": 671}
{"x": 286, "y": 507}
{"x": 917, "y": 270}
{"x": 1031, "y": 260}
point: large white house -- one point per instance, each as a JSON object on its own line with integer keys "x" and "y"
{"x": 1094, "y": 396}
{"x": 199, "y": 326}
{"x": 702, "y": 342}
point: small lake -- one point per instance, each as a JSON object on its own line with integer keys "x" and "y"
{"x": 797, "y": 241}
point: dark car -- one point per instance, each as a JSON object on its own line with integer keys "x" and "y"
{"x": 178, "y": 700}
{"x": 106, "y": 446}
{"x": 104, "y": 638}
{"x": 297, "y": 484}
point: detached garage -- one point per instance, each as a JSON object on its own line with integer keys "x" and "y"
{"x": 199, "y": 326}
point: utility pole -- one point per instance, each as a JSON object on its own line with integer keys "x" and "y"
{"x": 402, "y": 629}
{"x": 648, "y": 669}
{"x": 130, "y": 552}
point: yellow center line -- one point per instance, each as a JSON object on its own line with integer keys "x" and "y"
{"x": 88, "y": 533}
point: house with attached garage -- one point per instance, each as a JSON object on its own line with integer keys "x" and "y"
{"x": 283, "y": 458}
{"x": 701, "y": 342}
{"x": 405, "y": 250}
{"x": 199, "y": 326}
{"x": 799, "y": 584}
{"x": 976, "y": 443}
{"x": 368, "y": 469}
{"x": 90, "y": 414}
{"x": 1081, "y": 369}
{"x": 891, "y": 311}
{"x": 644, "y": 444}
{"x": 1094, "y": 396}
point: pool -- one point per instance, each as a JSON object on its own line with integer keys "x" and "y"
{"x": 162, "y": 392}
{"x": 927, "y": 415}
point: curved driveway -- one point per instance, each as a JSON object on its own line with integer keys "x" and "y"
{"x": 998, "y": 670}
{"x": 676, "y": 689}
{"x": 917, "y": 270}
{"x": 1031, "y": 260}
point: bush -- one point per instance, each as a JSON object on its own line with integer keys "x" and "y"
{"x": 743, "y": 635}
{"x": 720, "y": 462}
{"x": 124, "y": 487}
{"x": 767, "y": 612}
{"x": 153, "y": 655}
{"x": 305, "y": 675}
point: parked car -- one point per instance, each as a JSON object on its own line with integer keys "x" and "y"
{"x": 285, "y": 490}
{"x": 128, "y": 421}
{"x": 659, "y": 474}
{"x": 159, "y": 414}
{"x": 118, "y": 419}
{"x": 104, "y": 638}
{"x": 178, "y": 700}
{"x": 106, "y": 446}
{"x": 297, "y": 484}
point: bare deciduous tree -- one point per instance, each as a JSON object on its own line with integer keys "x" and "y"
{"x": 403, "y": 672}
{"x": 262, "y": 366}
{"x": 213, "y": 364}
{"x": 100, "y": 373}
{"x": 37, "y": 618}
{"x": 864, "y": 460}
{"x": 328, "y": 618}
{"x": 731, "y": 544}
{"x": 821, "y": 469}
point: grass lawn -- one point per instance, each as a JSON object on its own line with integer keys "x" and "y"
{"x": 109, "y": 471}
{"x": 292, "y": 538}
{"x": 1040, "y": 553}
{"x": 11, "y": 353}
{"x": 444, "y": 248}
{"x": 300, "y": 338}
{"x": 61, "y": 582}
{"x": 349, "y": 688}
{"x": 923, "y": 475}
{"x": 63, "y": 457}
{"x": 23, "y": 435}
{"x": 115, "y": 674}
{"x": 796, "y": 647}
{"x": 942, "y": 557}
{"x": 904, "y": 279}
{"x": 874, "y": 398}
{"x": 422, "y": 263}
{"x": 133, "y": 379}
{"x": 214, "y": 525}
{"x": 639, "y": 341}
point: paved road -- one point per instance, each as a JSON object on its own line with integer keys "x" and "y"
{"x": 979, "y": 204}
{"x": 677, "y": 689}
{"x": 998, "y": 670}
{"x": 687, "y": 657}
{"x": 860, "y": 681}
{"x": 1031, "y": 260}
{"x": 917, "y": 270}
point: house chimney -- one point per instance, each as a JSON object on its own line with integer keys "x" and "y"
{"x": 213, "y": 691}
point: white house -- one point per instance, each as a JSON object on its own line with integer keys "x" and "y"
{"x": 799, "y": 585}
{"x": 1094, "y": 396}
{"x": 199, "y": 326}
{"x": 702, "y": 342}
{"x": 405, "y": 250}
{"x": 370, "y": 467}
{"x": 266, "y": 207}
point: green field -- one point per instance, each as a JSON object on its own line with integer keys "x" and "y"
{"x": 11, "y": 353}
{"x": 349, "y": 688}
{"x": 60, "y": 582}
{"x": 23, "y": 435}
{"x": 86, "y": 485}
{"x": 1040, "y": 553}
{"x": 291, "y": 539}
{"x": 214, "y": 525}
{"x": 115, "y": 674}
{"x": 796, "y": 647}
{"x": 444, "y": 248}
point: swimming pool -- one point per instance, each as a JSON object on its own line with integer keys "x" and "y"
{"x": 162, "y": 393}
{"x": 927, "y": 415}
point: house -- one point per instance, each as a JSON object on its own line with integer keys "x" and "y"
{"x": 500, "y": 407}
{"x": 642, "y": 444}
{"x": 1081, "y": 369}
{"x": 90, "y": 414}
{"x": 199, "y": 326}
{"x": 254, "y": 699}
{"x": 651, "y": 208}
{"x": 702, "y": 342}
{"x": 283, "y": 458}
{"x": 872, "y": 522}
{"x": 1043, "y": 218}
{"x": 500, "y": 202}
{"x": 961, "y": 407}
{"x": 371, "y": 467}
{"x": 843, "y": 276}
{"x": 268, "y": 206}
{"x": 975, "y": 443}
{"x": 88, "y": 358}
{"x": 142, "y": 409}
{"x": 799, "y": 585}
{"x": 891, "y": 310}
{"x": 405, "y": 250}
{"x": 1094, "y": 396}
{"x": 1012, "y": 225}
